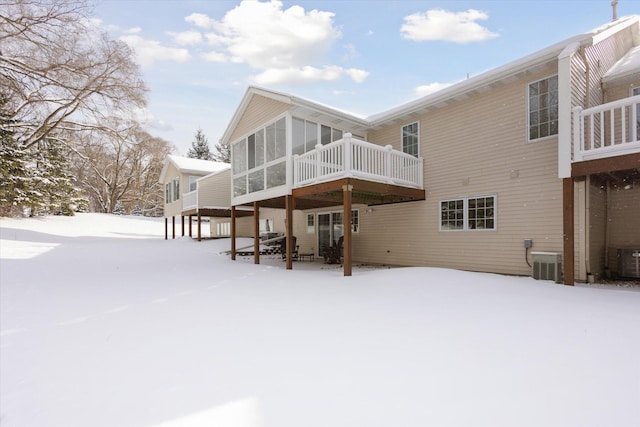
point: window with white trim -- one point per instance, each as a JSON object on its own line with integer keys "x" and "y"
{"x": 543, "y": 108}
{"x": 468, "y": 214}
{"x": 411, "y": 139}
{"x": 258, "y": 160}
{"x": 172, "y": 190}
{"x": 311, "y": 223}
{"x": 193, "y": 185}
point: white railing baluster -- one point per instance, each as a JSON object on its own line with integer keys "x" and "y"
{"x": 633, "y": 120}
{"x": 623, "y": 120}
{"x": 355, "y": 158}
{"x": 612, "y": 143}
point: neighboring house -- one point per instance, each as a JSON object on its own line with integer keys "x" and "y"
{"x": 193, "y": 187}
{"x": 534, "y": 161}
{"x": 540, "y": 155}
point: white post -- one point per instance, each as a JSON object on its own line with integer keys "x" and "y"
{"x": 296, "y": 173}
{"x": 347, "y": 153}
{"x": 632, "y": 120}
{"x": 387, "y": 163}
{"x": 318, "y": 163}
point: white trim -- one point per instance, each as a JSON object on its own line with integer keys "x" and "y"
{"x": 565, "y": 130}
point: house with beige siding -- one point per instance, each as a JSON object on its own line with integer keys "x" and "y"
{"x": 193, "y": 188}
{"x": 530, "y": 168}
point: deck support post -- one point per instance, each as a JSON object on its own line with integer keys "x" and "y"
{"x": 173, "y": 227}
{"x": 190, "y": 220}
{"x": 166, "y": 228}
{"x": 233, "y": 233}
{"x": 182, "y": 220}
{"x": 256, "y": 233}
{"x": 199, "y": 226}
{"x": 568, "y": 230}
{"x": 289, "y": 230}
{"x": 347, "y": 191}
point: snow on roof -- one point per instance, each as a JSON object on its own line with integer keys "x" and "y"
{"x": 627, "y": 65}
{"x": 187, "y": 164}
{"x": 193, "y": 166}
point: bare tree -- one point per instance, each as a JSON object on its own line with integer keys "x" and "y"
{"x": 122, "y": 167}
{"x": 58, "y": 72}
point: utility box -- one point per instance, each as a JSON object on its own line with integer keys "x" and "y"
{"x": 629, "y": 263}
{"x": 547, "y": 266}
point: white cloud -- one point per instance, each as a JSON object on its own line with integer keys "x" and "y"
{"x": 150, "y": 51}
{"x": 430, "y": 88}
{"x": 214, "y": 56}
{"x": 133, "y": 30}
{"x": 283, "y": 45}
{"x": 307, "y": 74}
{"x": 186, "y": 38}
{"x": 200, "y": 20}
{"x": 438, "y": 24}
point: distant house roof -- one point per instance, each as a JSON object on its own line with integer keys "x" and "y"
{"x": 192, "y": 166}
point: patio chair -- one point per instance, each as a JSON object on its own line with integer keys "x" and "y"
{"x": 294, "y": 251}
{"x": 333, "y": 254}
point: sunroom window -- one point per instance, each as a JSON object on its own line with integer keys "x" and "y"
{"x": 257, "y": 156}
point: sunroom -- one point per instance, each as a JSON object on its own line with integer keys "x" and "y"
{"x": 309, "y": 157}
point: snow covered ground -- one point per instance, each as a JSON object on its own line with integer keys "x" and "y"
{"x": 103, "y": 323}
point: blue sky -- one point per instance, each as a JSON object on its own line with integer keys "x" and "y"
{"x": 199, "y": 57}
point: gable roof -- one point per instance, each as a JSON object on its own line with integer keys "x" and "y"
{"x": 461, "y": 90}
{"x": 191, "y": 166}
{"x": 300, "y": 106}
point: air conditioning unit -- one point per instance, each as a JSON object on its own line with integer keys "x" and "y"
{"x": 629, "y": 263}
{"x": 547, "y": 266}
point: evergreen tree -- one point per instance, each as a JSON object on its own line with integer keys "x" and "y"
{"x": 15, "y": 175}
{"x": 200, "y": 147}
{"x": 223, "y": 153}
{"x": 53, "y": 181}
{"x": 119, "y": 209}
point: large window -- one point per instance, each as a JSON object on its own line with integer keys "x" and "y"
{"x": 172, "y": 191}
{"x": 411, "y": 139}
{"x": 469, "y": 213}
{"x": 258, "y": 160}
{"x": 543, "y": 108}
{"x": 193, "y": 185}
{"x": 306, "y": 135}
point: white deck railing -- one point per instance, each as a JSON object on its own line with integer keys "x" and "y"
{"x": 606, "y": 130}
{"x": 190, "y": 200}
{"x": 350, "y": 157}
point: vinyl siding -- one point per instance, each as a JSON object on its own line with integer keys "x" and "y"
{"x": 173, "y": 208}
{"x": 261, "y": 111}
{"x": 474, "y": 147}
{"x": 214, "y": 191}
{"x": 624, "y": 221}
